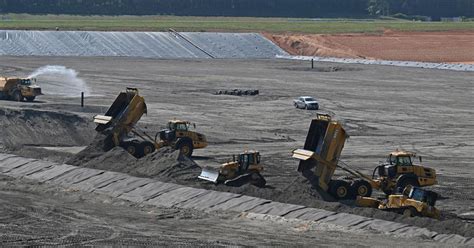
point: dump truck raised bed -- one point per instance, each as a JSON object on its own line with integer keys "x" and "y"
{"x": 119, "y": 125}
{"x": 320, "y": 158}
{"x": 19, "y": 89}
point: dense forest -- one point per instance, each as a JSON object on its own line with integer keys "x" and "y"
{"x": 255, "y": 8}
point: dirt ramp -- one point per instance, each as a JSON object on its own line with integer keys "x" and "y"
{"x": 43, "y": 128}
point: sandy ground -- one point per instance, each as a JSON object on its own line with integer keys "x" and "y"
{"x": 452, "y": 46}
{"x": 383, "y": 108}
{"x": 38, "y": 214}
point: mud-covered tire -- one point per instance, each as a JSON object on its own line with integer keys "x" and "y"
{"x": 16, "y": 96}
{"x": 257, "y": 179}
{"x": 134, "y": 148}
{"x": 362, "y": 188}
{"x": 402, "y": 182}
{"x": 30, "y": 98}
{"x": 147, "y": 148}
{"x": 185, "y": 147}
{"x": 340, "y": 190}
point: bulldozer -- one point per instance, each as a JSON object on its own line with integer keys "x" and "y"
{"x": 244, "y": 168}
{"x": 320, "y": 157}
{"x": 19, "y": 89}
{"x": 119, "y": 125}
{"x": 413, "y": 201}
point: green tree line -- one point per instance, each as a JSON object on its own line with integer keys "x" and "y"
{"x": 254, "y": 8}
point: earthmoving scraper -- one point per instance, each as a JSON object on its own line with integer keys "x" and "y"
{"x": 243, "y": 169}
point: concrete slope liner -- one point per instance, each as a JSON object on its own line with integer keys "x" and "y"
{"x": 136, "y": 44}
{"x": 151, "y": 192}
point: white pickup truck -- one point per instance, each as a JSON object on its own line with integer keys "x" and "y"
{"x": 306, "y": 102}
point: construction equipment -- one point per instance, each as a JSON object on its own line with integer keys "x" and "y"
{"x": 413, "y": 201}
{"x": 19, "y": 89}
{"x": 323, "y": 147}
{"x": 244, "y": 168}
{"x": 119, "y": 123}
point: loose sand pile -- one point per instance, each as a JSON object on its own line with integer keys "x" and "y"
{"x": 166, "y": 163}
{"x": 43, "y": 128}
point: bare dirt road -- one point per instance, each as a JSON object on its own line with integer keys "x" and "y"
{"x": 452, "y": 46}
{"x": 383, "y": 108}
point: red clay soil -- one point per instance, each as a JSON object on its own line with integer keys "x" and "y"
{"x": 451, "y": 47}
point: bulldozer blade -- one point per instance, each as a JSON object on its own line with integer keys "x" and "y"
{"x": 302, "y": 154}
{"x": 209, "y": 175}
{"x": 239, "y": 181}
{"x": 102, "y": 119}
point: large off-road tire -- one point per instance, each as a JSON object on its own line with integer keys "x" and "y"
{"x": 185, "y": 146}
{"x": 16, "y": 96}
{"x": 134, "y": 148}
{"x": 362, "y": 188}
{"x": 147, "y": 147}
{"x": 30, "y": 98}
{"x": 340, "y": 190}
{"x": 257, "y": 179}
{"x": 403, "y": 181}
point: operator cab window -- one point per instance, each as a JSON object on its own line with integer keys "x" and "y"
{"x": 404, "y": 161}
{"x": 25, "y": 82}
{"x": 181, "y": 127}
{"x": 309, "y": 99}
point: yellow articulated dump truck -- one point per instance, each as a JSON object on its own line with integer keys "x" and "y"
{"x": 319, "y": 160}
{"x": 19, "y": 89}
{"x": 119, "y": 124}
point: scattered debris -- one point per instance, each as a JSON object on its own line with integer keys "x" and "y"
{"x": 238, "y": 92}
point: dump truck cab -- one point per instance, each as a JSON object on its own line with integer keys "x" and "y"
{"x": 178, "y": 133}
{"x": 399, "y": 171}
{"x": 19, "y": 89}
{"x": 244, "y": 168}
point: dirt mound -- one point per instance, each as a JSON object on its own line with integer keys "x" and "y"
{"x": 453, "y": 47}
{"x": 313, "y": 45}
{"x": 43, "y": 128}
{"x": 166, "y": 163}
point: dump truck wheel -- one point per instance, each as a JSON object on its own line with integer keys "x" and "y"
{"x": 30, "y": 98}
{"x": 134, "y": 148}
{"x": 340, "y": 189}
{"x": 362, "y": 188}
{"x": 402, "y": 182}
{"x": 147, "y": 147}
{"x": 185, "y": 147}
{"x": 16, "y": 96}
{"x": 258, "y": 180}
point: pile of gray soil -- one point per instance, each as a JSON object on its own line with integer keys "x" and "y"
{"x": 43, "y": 128}
{"x": 166, "y": 163}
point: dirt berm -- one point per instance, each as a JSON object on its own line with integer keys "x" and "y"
{"x": 167, "y": 165}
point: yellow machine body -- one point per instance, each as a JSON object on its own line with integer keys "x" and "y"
{"x": 19, "y": 89}
{"x": 120, "y": 121}
{"x": 244, "y": 168}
